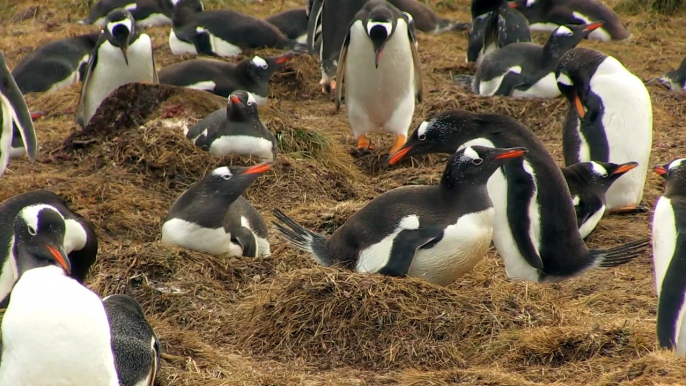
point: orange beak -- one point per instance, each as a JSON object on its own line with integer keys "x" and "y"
{"x": 393, "y": 159}
{"x": 660, "y": 170}
{"x": 283, "y": 58}
{"x": 625, "y": 168}
{"x": 593, "y": 26}
{"x": 512, "y": 153}
{"x": 60, "y": 258}
{"x": 36, "y": 115}
{"x": 258, "y": 169}
{"x": 579, "y": 106}
{"x": 234, "y": 99}
{"x": 513, "y": 5}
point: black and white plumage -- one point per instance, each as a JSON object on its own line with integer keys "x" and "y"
{"x": 122, "y": 55}
{"x": 55, "y": 65}
{"x": 381, "y": 72}
{"x": 213, "y": 217}
{"x": 669, "y": 257}
{"x": 292, "y": 23}
{"x": 535, "y": 229}
{"x": 436, "y": 232}
{"x": 675, "y": 80}
{"x": 609, "y": 119}
{"x": 236, "y": 129}
{"x": 547, "y": 15}
{"x": 494, "y": 26}
{"x": 146, "y": 13}
{"x": 527, "y": 70}
{"x": 223, "y": 78}
{"x": 55, "y": 330}
{"x": 588, "y": 182}
{"x": 80, "y": 240}
{"x": 134, "y": 343}
{"x": 14, "y": 113}
{"x": 222, "y": 32}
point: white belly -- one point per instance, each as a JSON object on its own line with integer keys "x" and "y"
{"x": 491, "y": 86}
{"x": 206, "y": 85}
{"x": 377, "y": 256}
{"x": 543, "y": 27}
{"x": 242, "y": 145}
{"x": 221, "y": 47}
{"x": 55, "y": 333}
{"x": 546, "y": 87}
{"x": 463, "y": 245}
{"x": 188, "y": 235}
{"x": 6, "y": 133}
{"x": 179, "y": 47}
{"x": 587, "y": 227}
{"x": 9, "y": 271}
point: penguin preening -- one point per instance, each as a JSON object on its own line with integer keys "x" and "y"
{"x": 80, "y": 241}
{"x": 494, "y": 25}
{"x": 609, "y": 119}
{"x": 588, "y": 182}
{"x": 134, "y": 343}
{"x": 14, "y": 113}
{"x": 546, "y": 15}
{"x": 55, "y": 330}
{"x": 675, "y": 80}
{"x": 292, "y": 23}
{"x": 236, "y": 129}
{"x": 55, "y": 65}
{"x": 435, "y": 232}
{"x": 122, "y": 55}
{"x": 222, "y": 78}
{"x": 146, "y": 13}
{"x": 527, "y": 70}
{"x": 669, "y": 257}
{"x": 221, "y": 32}
{"x": 213, "y": 217}
{"x": 535, "y": 230}
{"x": 381, "y": 72}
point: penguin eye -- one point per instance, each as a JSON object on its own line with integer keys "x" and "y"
{"x": 477, "y": 161}
{"x": 32, "y": 230}
{"x": 422, "y": 137}
{"x": 226, "y": 177}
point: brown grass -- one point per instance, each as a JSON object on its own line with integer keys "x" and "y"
{"x": 284, "y": 321}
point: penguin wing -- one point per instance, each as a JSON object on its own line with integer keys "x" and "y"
{"x": 340, "y": 71}
{"x": 405, "y": 246}
{"x": 411, "y": 32}
{"x": 80, "y": 110}
{"x": 313, "y": 22}
{"x": 246, "y": 238}
{"x": 13, "y": 100}
{"x": 510, "y": 81}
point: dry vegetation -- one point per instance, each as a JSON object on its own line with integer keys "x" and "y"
{"x": 284, "y": 321}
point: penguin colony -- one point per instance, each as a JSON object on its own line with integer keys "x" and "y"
{"x": 500, "y": 184}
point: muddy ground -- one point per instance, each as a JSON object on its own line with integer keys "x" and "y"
{"x": 284, "y": 321}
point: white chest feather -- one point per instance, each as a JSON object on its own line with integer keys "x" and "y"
{"x": 221, "y": 47}
{"x": 242, "y": 145}
{"x": 9, "y": 271}
{"x": 55, "y": 332}
{"x": 463, "y": 245}
{"x": 664, "y": 239}
{"x": 377, "y": 256}
{"x": 6, "y": 132}
{"x": 192, "y": 236}
{"x": 490, "y": 87}
{"x": 179, "y": 47}
{"x": 206, "y": 85}
{"x": 546, "y": 87}
{"x": 589, "y": 225}
{"x": 543, "y": 27}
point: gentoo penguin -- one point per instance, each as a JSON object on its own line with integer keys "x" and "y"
{"x": 122, "y": 55}
{"x": 380, "y": 68}
{"x": 146, "y": 13}
{"x": 669, "y": 257}
{"x": 136, "y": 347}
{"x": 535, "y": 228}
{"x": 223, "y": 78}
{"x": 55, "y": 65}
{"x": 13, "y": 113}
{"x": 494, "y": 25}
{"x": 213, "y": 217}
{"x": 610, "y": 119}
{"x": 55, "y": 330}
{"x": 292, "y": 23}
{"x": 436, "y": 232}
{"x": 675, "y": 80}
{"x": 80, "y": 241}
{"x": 236, "y": 129}
{"x": 527, "y": 70}
{"x": 426, "y": 20}
{"x": 546, "y": 15}
{"x": 221, "y": 32}
{"x": 588, "y": 182}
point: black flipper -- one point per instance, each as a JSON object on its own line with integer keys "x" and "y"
{"x": 203, "y": 44}
{"x": 511, "y": 80}
{"x": 405, "y": 247}
{"x": 246, "y": 238}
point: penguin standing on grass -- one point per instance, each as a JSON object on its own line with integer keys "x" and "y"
{"x": 381, "y": 72}
{"x": 609, "y": 119}
{"x": 436, "y": 232}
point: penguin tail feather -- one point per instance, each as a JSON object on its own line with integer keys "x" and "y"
{"x": 619, "y": 255}
{"x": 302, "y": 238}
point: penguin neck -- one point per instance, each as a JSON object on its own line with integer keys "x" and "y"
{"x": 553, "y": 50}
{"x": 676, "y": 187}
{"x": 181, "y": 14}
{"x": 238, "y": 114}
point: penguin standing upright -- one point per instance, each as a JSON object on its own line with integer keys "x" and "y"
{"x": 609, "y": 119}
{"x": 122, "y": 55}
{"x": 535, "y": 229}
{"x": 588, "y": 182}
{"x": 436, "y": 232}
{"x": 236, "y": 129}
{"x": 527, "y": 70}
{"x": 213, "y": 217}
{"x": 13, "y": 112}
{"x": 55, "y": 331}
{"x": 669, "y": 257}
{"x": 380, "y": 68}
{"x": 80, "y": 241}
{"x": 146, "y": 13}
{"x": 494, "y": 25}
{"x": 136, "y": 347}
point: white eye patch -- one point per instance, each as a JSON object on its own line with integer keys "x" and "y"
{"x": 598, "y": 169}
{"x": 30, "y": 214}
{"x": 676, "y": 163}
{"x": 530, "y": 3}
{"x": 563, "y": 31}
{"x": 259, "y": 62}
{"x": 222, "y": 172}
{"x": 422, "y": 128}
{"x": 470, "y": 154}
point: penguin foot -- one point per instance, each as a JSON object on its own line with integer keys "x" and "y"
{"x": 363, "y": 143}
{"x": 630, "y": 209}
{"x": 399, "y": 142}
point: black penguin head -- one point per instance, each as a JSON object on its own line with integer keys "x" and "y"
{"x": 574, "y": 72}
{"x": 39, "y": 238}
{"x": 191, "y": 6}
{"x": 120, "y": 30}
{"x": 233, "y": 180}
{"x": 601, "y": 175}
{"x": 566, "y": 37}
{"x": 242, "y": 106}
{"x": 380, "y": 25}
{"x": 476, "y": 164}
{"x": 482, "y": 7}
{"x": 672, "y": 171}
{"x": 262, "y": 69}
